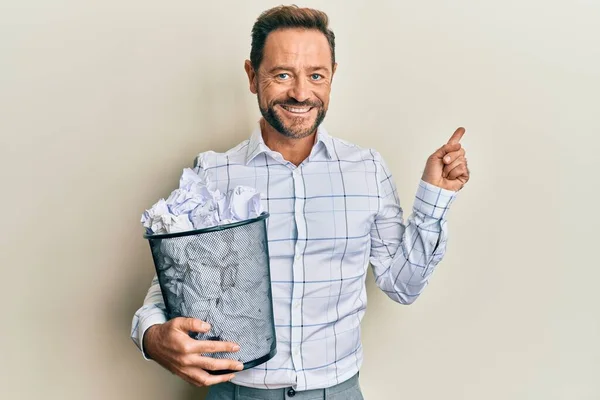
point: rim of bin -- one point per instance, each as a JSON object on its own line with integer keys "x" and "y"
{"x": 215, "y": 228}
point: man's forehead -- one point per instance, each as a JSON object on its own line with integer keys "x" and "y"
{"x": 308, "y": 46}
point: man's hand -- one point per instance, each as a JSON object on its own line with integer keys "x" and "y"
{"x": 170, "y": 345}
{"x": 447, "y": 167}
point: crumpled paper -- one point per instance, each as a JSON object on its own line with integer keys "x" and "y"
{"x": 219, "y": 277}
{"x": 195, "y": 205}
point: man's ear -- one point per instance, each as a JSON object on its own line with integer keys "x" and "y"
{"x": 251, "y": 76}
{"x": 333, "y": 71}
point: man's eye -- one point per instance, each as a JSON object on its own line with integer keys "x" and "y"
{"x": 316, "y": 77}
{"x": 283, "y": 75}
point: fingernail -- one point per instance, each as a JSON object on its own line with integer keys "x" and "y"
{"x": 205, "y": 326}
{"x": 240, "y": 367}
{"x": 235, "y": 348}
{"x": 447, "y": 159}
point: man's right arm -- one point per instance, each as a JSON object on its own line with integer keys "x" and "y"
{"x": 151, "y": 313}
{"x": 169, "y": 344}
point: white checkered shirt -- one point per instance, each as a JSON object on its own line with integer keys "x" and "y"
{"x": 330, "y": 217}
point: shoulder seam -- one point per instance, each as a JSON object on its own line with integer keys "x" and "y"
{"x": 236, "y": 149}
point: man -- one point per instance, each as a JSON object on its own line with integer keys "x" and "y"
{"x": 334, "y": 209}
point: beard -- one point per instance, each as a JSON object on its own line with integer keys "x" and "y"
{"x": 295, "y": 129}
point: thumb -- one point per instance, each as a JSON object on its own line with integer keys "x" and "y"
{"x": 190, "y": 325}
{"x": 445, "y": 149}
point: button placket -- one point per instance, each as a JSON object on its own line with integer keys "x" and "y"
{"x": 298, "y": 273}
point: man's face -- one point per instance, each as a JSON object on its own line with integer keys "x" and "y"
{"x": 293, "y": 81}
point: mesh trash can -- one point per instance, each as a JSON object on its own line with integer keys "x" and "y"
{"x": 221, "y": 275}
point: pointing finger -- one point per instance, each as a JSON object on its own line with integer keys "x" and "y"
{"x": 458, "y": 134}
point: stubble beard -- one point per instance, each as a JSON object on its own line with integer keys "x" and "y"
{"x": 295, "y": 129}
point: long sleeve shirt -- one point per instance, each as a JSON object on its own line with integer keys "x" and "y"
{"x": 330, "y": 218}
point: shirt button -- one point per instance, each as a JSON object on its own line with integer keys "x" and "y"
{"x": 298, "y": 256}
{"x": 291, "y": 393}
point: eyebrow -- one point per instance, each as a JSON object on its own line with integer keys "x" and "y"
{"x": 289, "y": 68}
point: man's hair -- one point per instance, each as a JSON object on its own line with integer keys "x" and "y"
{"x": 289, "y": 17}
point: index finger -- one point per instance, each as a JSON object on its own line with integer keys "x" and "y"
{"x": 458, "y": 134}
{"x": 215, "y": 346}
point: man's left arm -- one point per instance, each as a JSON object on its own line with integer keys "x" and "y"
{"x": 404, "y": 256}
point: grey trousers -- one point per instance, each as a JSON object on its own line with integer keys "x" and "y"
{"x": 348, "y": 390}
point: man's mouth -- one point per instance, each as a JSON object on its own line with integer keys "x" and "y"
{"x": 296, "y": 110}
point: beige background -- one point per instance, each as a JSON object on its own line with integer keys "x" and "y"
{"x": 103, "y": 103}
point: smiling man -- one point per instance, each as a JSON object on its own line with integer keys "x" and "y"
{"x": 292, "y": 80}
{"x": 334, "y": 210}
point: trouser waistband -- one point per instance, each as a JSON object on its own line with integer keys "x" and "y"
{"x": 288, "y": 393}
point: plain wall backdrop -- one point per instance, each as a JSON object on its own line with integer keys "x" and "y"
{"x": 102, "y": 104}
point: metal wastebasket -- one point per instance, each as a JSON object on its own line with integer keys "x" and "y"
{"x": 221, "y": 275}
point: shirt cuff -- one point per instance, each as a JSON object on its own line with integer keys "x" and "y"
{"x": 157, "y": 317}
{"x": 433, "y": 201}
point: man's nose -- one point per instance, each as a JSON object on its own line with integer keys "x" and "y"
{"x": 299, "y": 90}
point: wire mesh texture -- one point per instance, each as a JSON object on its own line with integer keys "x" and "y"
{"x": 221, "y": 275}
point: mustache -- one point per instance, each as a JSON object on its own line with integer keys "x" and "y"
{"x": 294, "y": 103}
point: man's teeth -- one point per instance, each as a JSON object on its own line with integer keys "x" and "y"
{"x": 297, "y": 109}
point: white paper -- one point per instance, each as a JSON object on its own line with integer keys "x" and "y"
{"x": 196, "y": 204}
{"x": 214, "y": 277}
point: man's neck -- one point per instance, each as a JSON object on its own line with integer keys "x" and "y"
{"x": 292, "y": 150}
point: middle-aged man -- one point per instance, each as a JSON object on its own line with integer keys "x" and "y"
{"x": 334, "y": 209}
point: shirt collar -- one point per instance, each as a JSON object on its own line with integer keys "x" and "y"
{"x": 256, "y": 144}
